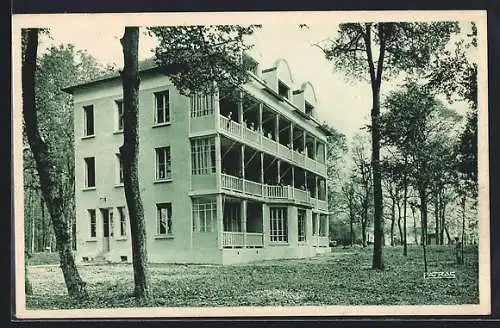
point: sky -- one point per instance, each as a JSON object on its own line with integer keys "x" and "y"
{"x": 343, "y": 104}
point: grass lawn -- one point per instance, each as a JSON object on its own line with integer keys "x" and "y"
{"x": 44, "y": 258}
{"x": 342, "y": 277}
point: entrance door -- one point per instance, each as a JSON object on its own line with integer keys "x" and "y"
{"x": 105, "y": 228}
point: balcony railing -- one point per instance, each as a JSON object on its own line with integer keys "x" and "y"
{"x": 257, "y": 139}
{"x": 248, "y": 187}
{"x": 242, "y": 239}
{"x": 322, "y": 205}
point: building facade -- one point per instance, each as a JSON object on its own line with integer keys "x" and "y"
{"x": 230, "y": 177}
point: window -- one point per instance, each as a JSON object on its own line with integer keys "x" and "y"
{"x": 202, "y": 156}
{"x": 162, "y": 112}
{"x": 119, "y": 169}
{"x": 202, "y": 104}
{"x": 301, "y": 220}
{"x": 93, "y": 223}
{"x": 204, "y": 215}
{"x": 283, "y": 90}
{"x": 89, "y": 172}
{"x": 279, "y": 228}
{"x": 119, "y": 114}
{"x": 111, "y": 224}
{"x": 89, "y": 120}
{"x": 309, "y": 108}
{"x": 123, "y": 221}
{"x": 231, "y": 216}
{"x": 164, "y": 218}
{"x": 163, "y": 169}
{"x": 315, "y": 224}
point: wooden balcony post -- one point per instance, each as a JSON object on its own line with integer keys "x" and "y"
{"x": 218, "y": 162}
{"x": 240, "y": 107}
{"x": 316, "y": 187}
{"x": 304, "y": 142}
{"x": 262, "y": 173}
{"x": 315, "y": 149}
{"x": 220, "y": 223}
{"x": 242, "y": 163}
{"x": 277, "y": 128}
{"x": 279, "y": 170}
{"x": 244, "y": 221}
{"x": 260, "y": 118}
{"x": 291, "y": 137}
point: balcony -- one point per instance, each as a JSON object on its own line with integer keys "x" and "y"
{"x": 261, "y": 142}
{"x": 242, "y": 239}
{"x": 320, "y": 204}
{"x": 269, "y": 192}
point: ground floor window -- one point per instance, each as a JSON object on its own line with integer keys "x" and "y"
{"x": 204, "y": 215}
{"x": 164, "y": 218}
{"x": 301, "y": 220}
{"x": 232, "y": 216}
{"x": 93, "y": 223}
{"x": 315, "y": 224}
{"x": 123, "y": 221}
{"x": 278, "y": 224}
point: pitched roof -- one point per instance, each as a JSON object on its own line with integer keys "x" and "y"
{"x": 143, "y": 65}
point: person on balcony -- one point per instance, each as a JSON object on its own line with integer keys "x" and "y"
{"x": 229, "y": 119}
{"x": 252, "y": 127}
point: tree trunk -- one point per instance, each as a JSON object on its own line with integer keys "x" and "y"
{"x": 447, "y": 234}
{"x": 45, "y": 165}
{"x": 405, "y": 200}
{"x": 378, "y": 222}
{"x": 44, "y": 225}
{"x": 351, "y": 223}
{"x": 423, "y": 215}
{"x": 393, "y": 220}
{"x": 443, "y": 220}
{"x": 436, "y": 217}
{"x": 376, "y": 79}
{"x": 28, "y": 288}
{"x": 129, "y": 153}
{"x": 363, "y": 234}
{"x": 415, "y": 235}
{"x": 399, "y": 225}
{"x": 463, "y": 228}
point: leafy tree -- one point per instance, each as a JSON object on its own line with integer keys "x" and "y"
{"x": 400, "y": 47}
{"x": 362, "y": 177}
{"x": 194, "y": 57}
{"x": 336, "y": 149}
{"x": 391, "y": 170}
{"x": 59, "y": 66}
{"x": 418, "y": 121}
{"x": 348, "y": 192}
{"x": 46, "y": 165}
{"x": 455, "y": 75}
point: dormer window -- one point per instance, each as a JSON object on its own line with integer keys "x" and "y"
{"x": 309, "y": 108}
{"x": 283, "y": 90}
